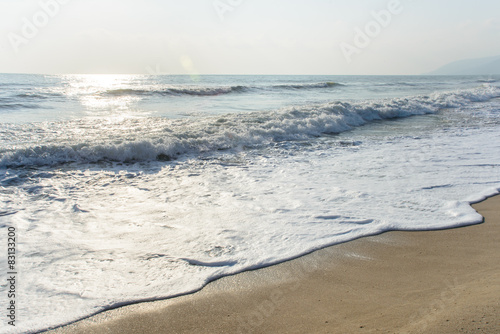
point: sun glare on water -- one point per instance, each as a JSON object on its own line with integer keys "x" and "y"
{"x": 105, "y": 95}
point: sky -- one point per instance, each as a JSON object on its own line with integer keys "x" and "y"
{"x": 331, "y": 37}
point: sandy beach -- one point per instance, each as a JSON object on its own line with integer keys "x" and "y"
{"x": 444, "y": 281}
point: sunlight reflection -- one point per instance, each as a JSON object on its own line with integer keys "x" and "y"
{"x": 105, "y": 94}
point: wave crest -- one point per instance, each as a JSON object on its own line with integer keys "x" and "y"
{"x": 212, "y": 91}
{"x": 185, "y": 90}
{"x": 165, "y": 139}
{"x": 309, "y": 85}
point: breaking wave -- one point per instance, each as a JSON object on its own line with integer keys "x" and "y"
{"x": 163, "y": 139}
{"x": 212, "y": 91}
{"x": 309, "y": 85}
{"x": 185, "y": 90}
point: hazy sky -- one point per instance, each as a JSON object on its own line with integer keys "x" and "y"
{"x": 244, "y": 36}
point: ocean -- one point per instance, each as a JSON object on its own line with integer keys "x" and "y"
{"x": 127, "y": 188}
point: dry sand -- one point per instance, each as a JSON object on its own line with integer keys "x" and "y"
{"x": 399, "y": 282}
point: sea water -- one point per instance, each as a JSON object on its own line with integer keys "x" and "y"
{"x": 133, "y": 188}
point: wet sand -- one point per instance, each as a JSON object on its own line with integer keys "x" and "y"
{"x": 444, "y": 281}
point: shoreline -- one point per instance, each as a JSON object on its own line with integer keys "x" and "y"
{"x": 443, "y": 281}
